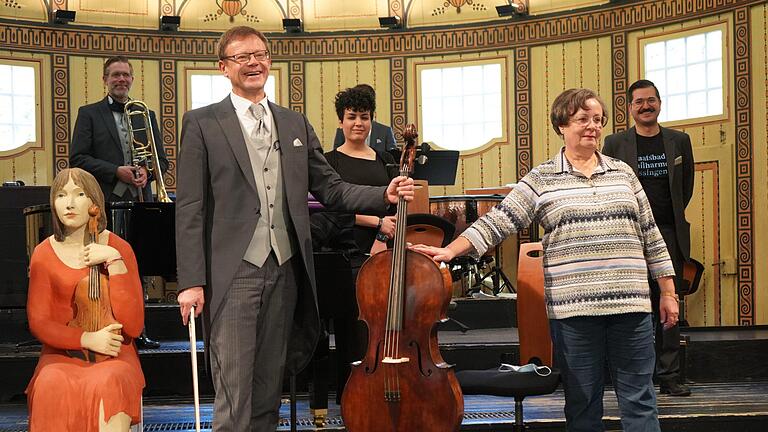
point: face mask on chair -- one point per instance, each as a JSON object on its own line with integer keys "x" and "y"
{"x": 530, "y": 367}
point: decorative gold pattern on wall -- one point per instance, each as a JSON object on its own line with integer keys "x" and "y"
{"x": 295, "y": 9}
{"x": 620, "y": 81}
{"x": 296, "y": 78}
{"x": 168, "y": 7}
{"x": 32, "y": 10}
{"x": 168, "y": 116}
{"x": 220, "y": 15}
{"x": 374, "y": 45}
{"x": 744, "y": 195}
{"x": 397, "y": 77}
{"x": 61, "y": 134}
{"x": 523, "y": 120}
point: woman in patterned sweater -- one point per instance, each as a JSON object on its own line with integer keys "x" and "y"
{"x": 600, "y": 243}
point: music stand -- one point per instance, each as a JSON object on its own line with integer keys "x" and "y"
{"x": 439, "y": 169}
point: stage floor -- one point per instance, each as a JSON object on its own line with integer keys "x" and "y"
{"x": 711, "y": 407}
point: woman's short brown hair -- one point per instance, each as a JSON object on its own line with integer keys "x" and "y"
{"x": 238, "y": 32}
{"x": 92, "y": 190}
{"x": 567, "y": 103}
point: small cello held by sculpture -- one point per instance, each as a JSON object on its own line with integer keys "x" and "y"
{"x": 93, "y": 310}
{"x": 402, "y": 384}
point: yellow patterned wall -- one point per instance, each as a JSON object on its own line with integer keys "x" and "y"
{"x": 759, "y": 56}
{"x": 144, "y": 14}
{"x": 32, "y": 10}
{"x": 322, "y": 15}
{"x": 557, "y": 67}
{"x": 325, "y": 79}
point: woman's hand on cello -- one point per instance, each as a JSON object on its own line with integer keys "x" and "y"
{"x": 103, "y": 341}
{"x": 437, "y": 254}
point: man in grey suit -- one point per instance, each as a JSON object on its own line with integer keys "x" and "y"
{"x": 100, "y": 141}
{"x": 243, "y": 235}
{"x": 663, "y": 161}
{"x": 380, "y": 138}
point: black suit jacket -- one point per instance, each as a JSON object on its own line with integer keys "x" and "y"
{"x": 382, "y": 137}
{"x": 96, "y": 146}
{"x": 677, "y": 147}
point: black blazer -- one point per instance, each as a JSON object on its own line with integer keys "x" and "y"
{"x": 677, "y": 147}
{"x": 382, "y": 137}
{"x": 96, "y": 147}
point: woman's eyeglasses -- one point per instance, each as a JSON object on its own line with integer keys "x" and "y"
{"x": 597, "y": 120}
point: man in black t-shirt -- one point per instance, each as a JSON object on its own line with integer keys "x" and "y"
{"x": 663, "y": 161}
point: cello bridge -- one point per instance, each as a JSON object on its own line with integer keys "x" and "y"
{"x": 390, "y": 360}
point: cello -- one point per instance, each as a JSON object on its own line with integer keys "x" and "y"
{"x": 402, "y": 384}
{"x": 93, "y": 310}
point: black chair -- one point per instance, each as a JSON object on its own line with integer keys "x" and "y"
{"x": 429, "y": 229}
{"x": 535, "y": 343}
{"x": 509, "y": 383}
{"x": 692, "y": 272}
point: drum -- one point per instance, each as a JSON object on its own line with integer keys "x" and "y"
{"x": 462, "y": 210}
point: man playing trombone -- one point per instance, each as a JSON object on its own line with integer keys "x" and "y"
{"x": 102, "y": 145}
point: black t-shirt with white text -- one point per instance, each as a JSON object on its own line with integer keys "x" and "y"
{"x": 654, "y": 176}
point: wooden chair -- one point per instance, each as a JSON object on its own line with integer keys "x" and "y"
{"x": 533, "y": 323}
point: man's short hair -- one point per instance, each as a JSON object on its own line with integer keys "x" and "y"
{"x": 238, "y": 32}
{"x": 567, "y": 103}
{"x": 643, "y": 83}
{"x": 355, "y": 99}
{"x": 116, "y": 59}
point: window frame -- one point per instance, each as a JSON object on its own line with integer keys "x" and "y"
{"x": 275, "y": 72}
{"x": 724, "y": 27}
{"x": 36, "y": 64}
{"x": 501, "y": 60}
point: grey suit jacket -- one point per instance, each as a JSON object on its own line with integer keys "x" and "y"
{"x": 217, "y": 207}
{"x": 382, "y": 137}
{"x": 96, "y": 147}
{"x": 677, "y": 147}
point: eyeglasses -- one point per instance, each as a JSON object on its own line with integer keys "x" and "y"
{"x": 244, "y": 58}
{"x": 640, "y": 102}
{"x": 597, "y": 120}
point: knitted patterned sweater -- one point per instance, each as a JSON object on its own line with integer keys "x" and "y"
{"x": 600, "y": 240}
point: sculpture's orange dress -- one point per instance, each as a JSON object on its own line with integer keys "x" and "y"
{"x": 64, "y": 393}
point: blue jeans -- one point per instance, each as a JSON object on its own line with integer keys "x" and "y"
{"x": 581, "y": 347}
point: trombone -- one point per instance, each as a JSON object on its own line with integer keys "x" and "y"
{"x": 143, "y": 146}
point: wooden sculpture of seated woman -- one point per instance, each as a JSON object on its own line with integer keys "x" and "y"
{"x": 68, "y": 393}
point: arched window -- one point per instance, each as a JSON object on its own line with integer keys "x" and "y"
{"x": 18, "y": 99}
{"x": 688, "y": 70}
{"x": 461, "y": 103}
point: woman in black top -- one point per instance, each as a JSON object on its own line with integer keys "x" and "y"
{"x": 356, "y": 162}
